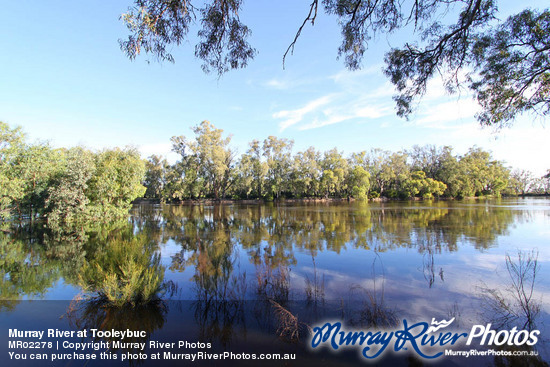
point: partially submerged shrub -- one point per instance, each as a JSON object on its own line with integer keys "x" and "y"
{"x": 126, "y": 272}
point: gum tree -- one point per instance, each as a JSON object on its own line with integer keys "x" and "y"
{"x": 505, "y": 64}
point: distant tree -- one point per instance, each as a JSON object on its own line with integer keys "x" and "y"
{"x": 215, "y": 158}
{"x": 546, "y": 182}
{"x": 11, "y": 142}
{"x": 155, "y": 177}
{"x": 278, "y": 154}
{"x": 429, "y": 159}
{"x": 396, "y": 171}
{"x": 328, "y": 183}
{"x": 448, "y": 171}
{"x": 521, "y": 182}
{"x": 258, "y": 167}
{"x": 184, "y": 179}
{"x": 417, "y": 184}
{"x": 244, "y": 177}
{"x": 478, "y": 174}
{"x": 35, "y": 166}
{"x": 206, "y": 164}
{"x": 67, "y": 203}
{"x": 334, "y": 161}
{"x": 506, "y": 64}
{"x": 358, "y": 183}
{"x": 115, "y": 183}
{"x": 306, "y": 173}
{"x": 380, "y": 172}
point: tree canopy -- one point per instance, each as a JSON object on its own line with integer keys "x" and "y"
{"x": 209, "y": 168}
{"x": 504, "y": 63}
{"x": 66, "y": 186}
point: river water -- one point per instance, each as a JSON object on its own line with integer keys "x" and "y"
{"x": 253, "y": 278}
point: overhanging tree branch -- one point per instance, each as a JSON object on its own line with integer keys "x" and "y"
{"x": 491, "y": 58}
{"x": 312, "y": 15}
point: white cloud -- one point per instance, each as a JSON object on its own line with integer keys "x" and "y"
{"x": 337, "y": 108}
{"x": 371, "y": 112}
{"x": 288, "y": 82}
{"x": 278, "y": 84}
{"x": 334, "y": 119}
{"x": 345, "y": 113}
{"x": 293, "y": 117}
{"x": 363, "y": 94}
{"x": 435, "y": 115}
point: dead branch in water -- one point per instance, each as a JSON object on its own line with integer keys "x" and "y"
{"x": 288, "y": 325}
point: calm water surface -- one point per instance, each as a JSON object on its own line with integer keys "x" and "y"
{"x": 371, "y": 264}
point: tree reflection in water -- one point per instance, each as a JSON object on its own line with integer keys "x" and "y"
{"x": 26, "y": 269}
{"x": 516, "y": 302}
{"x": 244, "y": 257}
{"x": 95, "y": 314}
{"x": 511, "y": 305}
{"x": 124, "y": 270}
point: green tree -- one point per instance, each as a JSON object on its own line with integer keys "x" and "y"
{"x": 184, "y": 180}
{"x": 448, "y": 172}
{"x": 65, "y": 185}
{"x": 478, "y": 174}
{"x": 358, "y": 182}
{"x": 334, "y": 161}
{"x": 278, "y": 154}
{"x": 329, "y": 183}
{"x": 306, "y": 173}
{"x": 429, "y": 159}
{"x": 396, "y": 171}
{"x": 380, "y": 173}
{"x": 214, "y": 157}
{"x": 115, "y": 183}
{"x": 67, "y": 203}
{"x": 11, "y": 142}
{"x": 417, "y": 184}
{"x": 244, "y": 177}
{"x": 34, "y": 166}
{"x": 520, "y": 182}
{"x": 155, "y": 177}
{"x": 258, "y": 167}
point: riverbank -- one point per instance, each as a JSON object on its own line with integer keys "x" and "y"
{"x": 319, "y": 200}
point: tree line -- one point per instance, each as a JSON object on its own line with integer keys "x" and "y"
{"x": 208, "y": 167}
{"x": 71, "y": 186}
{"x": 66, "y": 186}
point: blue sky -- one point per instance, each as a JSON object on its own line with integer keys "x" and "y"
{"x": 64, "y": 79}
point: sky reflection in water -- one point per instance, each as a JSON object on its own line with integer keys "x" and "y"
{"x": 416, "y": 260}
